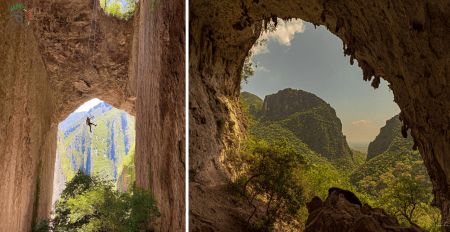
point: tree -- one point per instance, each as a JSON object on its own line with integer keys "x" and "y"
{"x": 114, "y": 211}
{"x": 271, "y": 173}
{"x": 367, "y": 183}
{"x": 404, "y": 196}
{"x": 91, "y": 204}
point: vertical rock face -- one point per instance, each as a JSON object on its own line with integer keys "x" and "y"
{"x": 384, "y": 138}
{"x": 46, "y": 73}
{"x": 59, "y": 177}
{"x": 403, "y": 42}
{"x": 159, "y": 66}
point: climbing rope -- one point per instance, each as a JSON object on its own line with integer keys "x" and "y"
{"x": 93, "y": 48}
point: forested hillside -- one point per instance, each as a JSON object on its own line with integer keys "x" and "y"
{"x": 392, "y": 176}
{"x": 306, "y": 121}
{"x": 101, "y": 151}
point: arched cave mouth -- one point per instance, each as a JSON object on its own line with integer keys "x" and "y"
{"x": 103, "y": 152}
{"x": 309, "y": 59}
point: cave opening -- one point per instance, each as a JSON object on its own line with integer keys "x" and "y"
{"x": 359, "y": 146}
{"x": 106, "y": 152}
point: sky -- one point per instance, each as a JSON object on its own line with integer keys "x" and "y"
{"x": 300, "y": 57}
{"x": 85, "y": 107}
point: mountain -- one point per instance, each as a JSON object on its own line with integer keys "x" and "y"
{"x": 306, "y": 121}
{"x": 387, "y": 134}
{"x": 71, "y": 119}
{"x": 101, "y": 151}
{"x": 252, "y": 103}
{"x": 394, "y": 149}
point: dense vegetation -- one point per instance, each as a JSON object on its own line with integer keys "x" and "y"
{"x": 270, "y": 173}
{"x": 90, "y": 203}
{"x": 393, "y": 178}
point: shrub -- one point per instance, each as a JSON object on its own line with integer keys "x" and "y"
{"x": 270, "y": 173}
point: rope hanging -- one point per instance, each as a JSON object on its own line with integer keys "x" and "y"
{"x": 93, "y": 48}
{"x": 89, "y": 40}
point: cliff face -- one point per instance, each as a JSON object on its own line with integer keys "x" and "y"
{"x": 103, "y": 150}
{"x": 403, "y": 42}
{"x": 59, "y": 177}
{"x": 384, "y": 138}
{"x": 159, "y": 80}
{"x": 46, "y": 74}
{"x": 307, "y": 122}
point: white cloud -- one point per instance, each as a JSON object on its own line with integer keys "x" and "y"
{"x": 284, "y": 33}
{"x": 362, "y": 122}
{"x": 89, "y": 104}
{"x": 259, "y": 67}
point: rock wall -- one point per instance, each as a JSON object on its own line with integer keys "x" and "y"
{"x": 59, "y": 177}
{"x": 159, "y": 67}
{"x": 404, "y": 42}
{"x": 337, "y": 214}
{"x": 46, "y": 73}
{"x": 387, "y": 133}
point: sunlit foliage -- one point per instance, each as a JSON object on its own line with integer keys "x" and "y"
{"x": 89, "y": 203}
{"x": 122, "y": 10}
{"x": 271, "y": 174}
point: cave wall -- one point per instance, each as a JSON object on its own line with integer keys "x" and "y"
{"x": 404, "y": 42}
{"x": 46, "y": 73}
{"x": 26, "y": 132}
{"x": 160, "y": 108}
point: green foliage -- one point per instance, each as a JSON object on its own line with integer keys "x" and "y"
{"x": 247, "y": 70}
{"x": 399, "y": 151}
{"x": 89, "y": 203}
{"x": 250, "y": 100}
{"x": 153, "y": 5}
{"x": 404, "y": 197}
{"x": 320, "y": 178}
{"x": 99, "y": 143}
{"x": 118, "y": 9}
{"x": 271, "y": 174}
{"x": 315, "y": 130}
{"x": 128, "y": 166}
{"x": 43, "y": 226}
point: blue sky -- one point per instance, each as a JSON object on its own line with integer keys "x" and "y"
{"x": 301, "y": 57}
{"x": 89, "y": 104}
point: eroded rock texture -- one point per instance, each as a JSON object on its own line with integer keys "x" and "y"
{"x": 338, "y": 214}
{"x": 405, "y": 42}
{"x": 46, "y": 73}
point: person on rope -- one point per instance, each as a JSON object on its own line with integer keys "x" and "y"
{"x": 88, "y": 122}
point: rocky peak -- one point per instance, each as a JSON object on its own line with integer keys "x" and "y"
{"x": 289, "y": 101}
{"x": 387, "y": 134}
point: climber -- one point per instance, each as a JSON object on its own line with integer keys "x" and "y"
{"x": 88, "y": 122}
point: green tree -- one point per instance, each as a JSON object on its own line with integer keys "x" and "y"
{"x": 404, "y": 197}
{"x": 271, "y": 173}
{"x": 367, "y": 184}
{"x": 112, "y": 210}
{"x": 91, "y": 204}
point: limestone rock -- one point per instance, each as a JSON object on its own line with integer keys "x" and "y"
{"x": 338, "y": 214}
